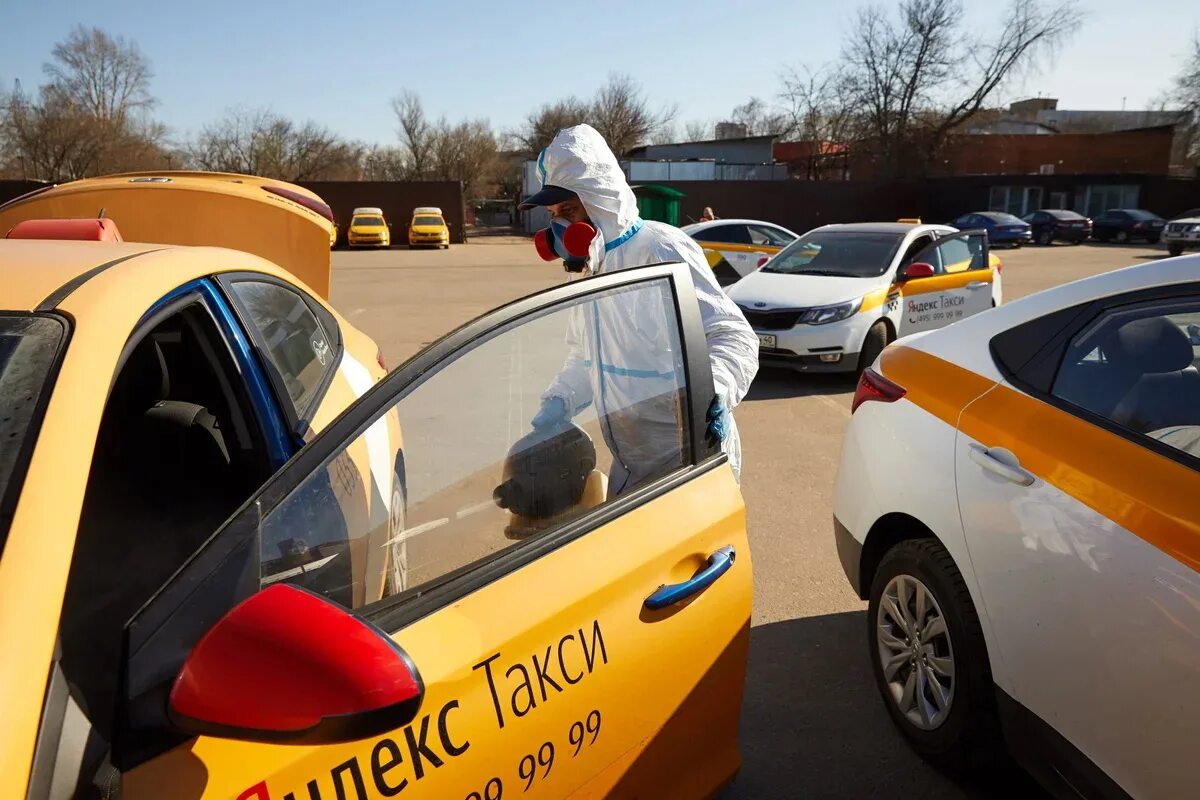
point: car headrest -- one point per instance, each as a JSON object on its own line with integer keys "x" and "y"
{"x": 1150, "y": 345}
{"x": 144, "y": 380}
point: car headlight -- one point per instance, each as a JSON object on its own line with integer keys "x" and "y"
{"x": 826, "y": 314}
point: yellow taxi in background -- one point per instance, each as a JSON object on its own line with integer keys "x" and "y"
{"x": 428, "y": 228}
{"x": 368, "y": 228}
{"x": 199, "y": 529}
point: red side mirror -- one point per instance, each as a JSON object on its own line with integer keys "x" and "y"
{"x": 917, "y": 269}
{"x": 288, "y": 665}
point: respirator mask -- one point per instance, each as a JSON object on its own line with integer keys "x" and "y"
{"x": 567, "y": 240}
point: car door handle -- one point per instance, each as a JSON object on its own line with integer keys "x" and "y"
{"x": 670, "y": 594}
{"x": 997, "y": 466}
{"x": 977, "y": 284}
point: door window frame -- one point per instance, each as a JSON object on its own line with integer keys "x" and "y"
{"x": 984, "y": 262}
{"x": 226, "y": 569}
{"x": 1039, "y": 371}
{"x": 298, "y": 420}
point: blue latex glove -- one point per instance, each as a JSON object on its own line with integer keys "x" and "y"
{"x": 553, "y": 412}
{"x": 720, "y": 422}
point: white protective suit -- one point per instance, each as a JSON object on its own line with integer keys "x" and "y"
{"x": 622, "y": 358}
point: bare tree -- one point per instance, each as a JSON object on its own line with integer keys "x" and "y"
{"x": 760, "y": 119}
{"x": 416, "y": 133}
{"x": 542, "y": 125}
{"x": 622, "y": 115}
{"x": 102, "y": 75}
{"x": 384, "y": 164}
{"x": 260, "y": 142}
{"x": 466, "y": 152}
{"x": 699, "y": 130}
{"x": 1185, "y": 95}
{"x": 904, "y": 83}
{"x": 816, "y": 104}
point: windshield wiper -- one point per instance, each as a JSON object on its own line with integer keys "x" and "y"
{"x": 828, "y": 273}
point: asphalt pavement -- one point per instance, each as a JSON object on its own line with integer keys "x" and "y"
{"x": 813, "y": 725}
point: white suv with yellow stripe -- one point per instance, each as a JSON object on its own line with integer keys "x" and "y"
{"x": 834, "y": 298}
{"x": 1017, "y": 500}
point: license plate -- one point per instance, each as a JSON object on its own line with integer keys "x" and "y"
{"x": 766, "y": 340}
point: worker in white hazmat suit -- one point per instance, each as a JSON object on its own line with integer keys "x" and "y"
{"x": 622, "y": 357}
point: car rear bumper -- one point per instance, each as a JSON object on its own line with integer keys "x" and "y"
{"x": 849, "y": 552}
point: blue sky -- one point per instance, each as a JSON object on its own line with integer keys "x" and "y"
{"x": 339, "y": 63}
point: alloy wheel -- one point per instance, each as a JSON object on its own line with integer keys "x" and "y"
{"x": 916, "y": 652}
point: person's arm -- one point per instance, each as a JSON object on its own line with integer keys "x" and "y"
{"x": 573, "y": 384}
{"x": 732, "y": 343}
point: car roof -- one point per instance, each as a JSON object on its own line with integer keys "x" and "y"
{"x": 881, "y": 227}
{"x": 31, "y": 269}
{"x": 699, "y": 226}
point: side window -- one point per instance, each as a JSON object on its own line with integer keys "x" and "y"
{"x": 516, "y": 436}
{"x": 294, "y": 341}
{"x": 769, "y": 237}
{"x": 919, "y": 244}
{"x": 956, "y": 254}
{"x": 1136, "y": 367}
{"x": 727, "y": 234}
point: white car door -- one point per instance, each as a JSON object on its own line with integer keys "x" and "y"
{"x": 1077, "y": 484}
{"x": 959, "y": 286}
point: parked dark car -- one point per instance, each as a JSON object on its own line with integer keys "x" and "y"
{"x": 1002, "y": 228}
{"x": 1126, "y": 224}
{"x": 1059, "y": 225}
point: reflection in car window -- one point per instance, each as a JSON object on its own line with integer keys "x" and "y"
{"x": 297, "y": 346}
{"x": 473, "y": 477}
{"x": 956, "y": 255}
{"x": 1137, "y": 368}
{"x": 851, "y": 254}
{"x": 769, "y": 237}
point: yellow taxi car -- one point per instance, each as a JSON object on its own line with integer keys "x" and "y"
{"x": 368, "y": 228}
{"x": 736, "y": 247}
{"x": 199, "y": 516}
{"x": 428, "y": 228}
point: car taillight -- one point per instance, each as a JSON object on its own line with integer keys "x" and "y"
{"x": 379, "y": 360}
{"x": 999, "y": 265}
{"x": 762, "y": 260}
{"x": 302, "y": 199}
{"x": 873, "y": 386}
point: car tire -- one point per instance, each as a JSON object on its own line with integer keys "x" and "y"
{"x": 1045, "y": 238}
{"x": 1122, "y": 237}
{"x": 1174, "y": 250}
{"x": 1152, "y": 240}
{"x": 963, "y": 731}
{"x": 876, "y": 339}
{"x": 1077, "y": 242}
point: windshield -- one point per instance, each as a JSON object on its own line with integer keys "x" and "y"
{"x": 364, "y": 221}
{"x": 847, "y": 254}
{"x": 1064, "y": 215}
{"x": 28, "y": 348}
{"x": 427, "y": 221}
{"x": 1140, "y": 214}
{"x": 1189, "y": 214}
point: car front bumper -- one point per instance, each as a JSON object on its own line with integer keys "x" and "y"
{"x": 816, "y": 348}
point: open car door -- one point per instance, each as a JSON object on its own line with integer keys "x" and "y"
{"x": 557, "y": 632}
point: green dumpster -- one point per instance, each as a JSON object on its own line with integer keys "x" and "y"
{"x": 659, "y": 203}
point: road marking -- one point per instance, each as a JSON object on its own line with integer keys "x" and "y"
{"x": 475, "y": 509}
{"x": 410, "y": 533}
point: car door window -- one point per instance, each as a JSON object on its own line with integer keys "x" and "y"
{"x": 768, "y": 237}
{"x": 724, "y": 234}
{"x": 1137, "y": 368}
{"x": 919, "y": 244}
{"x": 473, "y": 477}
{"x": 957, "y": 253}
{"x": 298, "y": 349}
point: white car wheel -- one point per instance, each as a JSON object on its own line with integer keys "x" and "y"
{"x": 396, "y": 579}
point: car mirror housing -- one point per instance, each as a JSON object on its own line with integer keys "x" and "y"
{"x": 286, "y": 665}
{"x": 917, "y": 269}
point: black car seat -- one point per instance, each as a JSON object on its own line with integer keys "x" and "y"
{"x": 160, "y": 484}
{"x": 1166, "y": 391}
